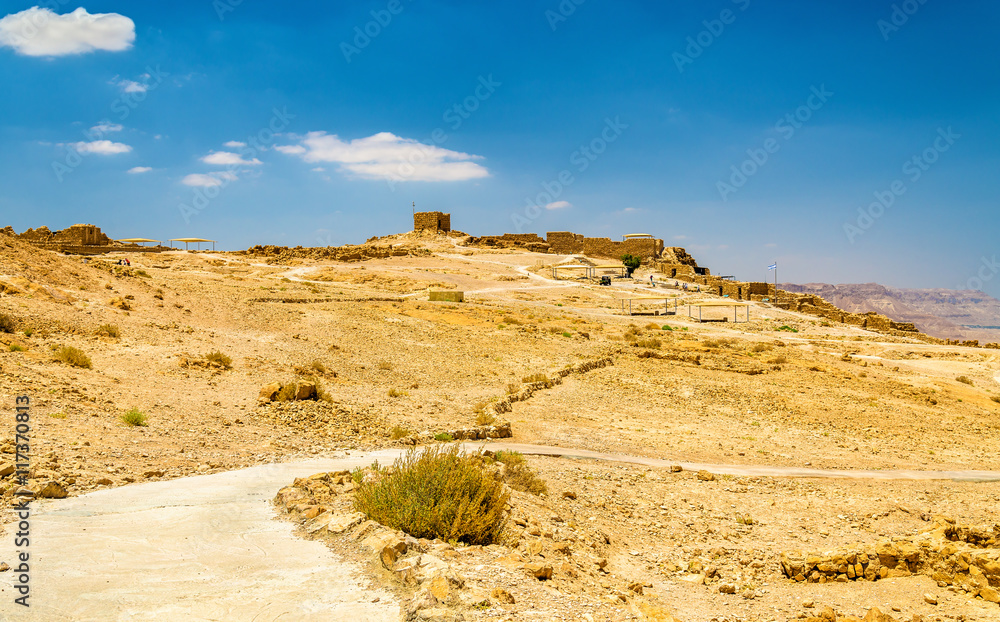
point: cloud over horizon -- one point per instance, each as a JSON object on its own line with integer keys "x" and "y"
{"x": 200, "y": 180}
{"x": 385, "y": 156}
{"x": 42, "y": 32}
{"x": 100, "y": 147}
{"x": 228, "y": 158}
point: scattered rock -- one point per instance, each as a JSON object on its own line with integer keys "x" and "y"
{"x": 542, "y": 572}
{"x": 50, "y": 490}
{"x": 930, "y": 599}
{"x": 705, "y": 476}
{"x": 502, "y": 596}
{"x": 727, "y": 588}
{"x": 339, "y": 523}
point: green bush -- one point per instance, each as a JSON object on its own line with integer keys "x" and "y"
{"x": 631, "y": 263}
{"x": 16, "y": 348}
{"x": 399, "y": 432}
{"x": 7, "y": 323}
{"x": 437, "y": 493}
{"x": 444, "y": 437}
{"x": 73, "y": 356}
{"x": 108, "y": 330}
{"x": 134, "y": 418}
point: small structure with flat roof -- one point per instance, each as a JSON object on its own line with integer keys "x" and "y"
{"x": 715, "y": 304}
{"x": 198, "y": 241}
{"x": 638, "y": 298}
{"x": 139, "y": 241}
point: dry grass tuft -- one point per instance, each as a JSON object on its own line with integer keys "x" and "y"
{"x": 518, "y": 474}
{"x": 73, "y": 356}
{"x": 134, "y": 418}
{"x": 965, "y": 380}
{"x": 438, "y": 493}
{"x": 219, "y": 358}
{"x": 108, "y": 330}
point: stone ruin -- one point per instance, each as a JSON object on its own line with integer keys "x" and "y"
{"x": 432, "y": 221}
{"x": 962, "y": 557}
{"x": 78, "y": 239}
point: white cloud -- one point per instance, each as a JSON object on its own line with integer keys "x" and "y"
{"x": 136, "y": 170}
{"x": 559, "y": 205}
{"x": 770, "y": 245}
{"x": 208, "y": 181}
{"x": 680, "y": 237}
{"x": 42, "y": 32}
{"x": 318, "y": 169}
{"x": 104, "y": 127}
{"x": 631, "y": 210}
{"x": 130, "y": 86}
{"x": 228, "y": 158}
{"x": 234, "y": 144}
{"x": 101, "y": 147}
{"x": 387, "y": 156}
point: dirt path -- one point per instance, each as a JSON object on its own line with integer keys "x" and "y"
{"x": 196, "y": 548}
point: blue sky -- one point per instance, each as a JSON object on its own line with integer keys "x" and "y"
{"x": 745, "y": 131}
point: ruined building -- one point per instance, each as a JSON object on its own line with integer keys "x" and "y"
{"x": 432, "y": 221}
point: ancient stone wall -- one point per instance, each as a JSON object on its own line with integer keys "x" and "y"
{"x": 967, "y": 559}
{"x": 528, "y": 241}
{"x": 567, "y": 243}
{"x": 431, "y": 221}
{"x": 564, "y": 242}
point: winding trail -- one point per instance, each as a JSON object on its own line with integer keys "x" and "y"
{"x": 210, "y": 547}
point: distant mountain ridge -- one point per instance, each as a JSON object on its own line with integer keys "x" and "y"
{"x": 942, "y": 313}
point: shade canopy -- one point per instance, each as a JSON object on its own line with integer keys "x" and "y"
{"x": 191, "y": 240}
{"x": 136, "y": 240}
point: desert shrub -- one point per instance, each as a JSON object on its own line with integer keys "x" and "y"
{"x": 787, "y": 329}
{"x": 385, "y": 365}
{"x": 555, "y": 330}
{"x": 652, "y": 326}
{"x": 438, "y": 493}
{"x": 399, "y": 432}
{"x": 319, "y": 367}
{"x": 444, "y": 437}
{"x": 134, "y": 418}
{"x": 965, "y": 380}
{"x": 718, "y": 343}
{"x": 219, "y": 358}
{"x": 512, "y": 388}
{"x": 653, "y": 344}
{"x": 16, "y": 348}
{"x": 73, "y": 356}
{"x": 396, "y": 393}
{"x": 484, "y": 414}
{"x": 666, "y": 327}
{"x": 58, "y": 415}
{"x": 510, "y": 319}
{"x": 518, "y": 474}
{"x": 7, "y": 323}
{"x": 108, "y": 330}
{"x": 566, "y": 333}
{"x": 761, "y": 347}
{"x": 28, "y": 332}
{"x": 778, "y": 360}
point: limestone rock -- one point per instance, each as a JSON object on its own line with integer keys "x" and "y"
{"x": 705, "y": 476}
{"x": 930, "y": 599}
{"x": 50, "y": 490}
{"x": 339, "y": 523}
{"x": 502, "y": 596}
{"x": 6, "y": 469}
{"x": 269, "y": 392}
{"x": 542, "y": 572}
{"x": 306, "y": 391}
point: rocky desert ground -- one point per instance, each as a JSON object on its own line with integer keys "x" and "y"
{"x": 635, "y": 521}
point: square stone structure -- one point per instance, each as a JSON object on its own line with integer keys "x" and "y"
{"x": 432, "y": 221}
